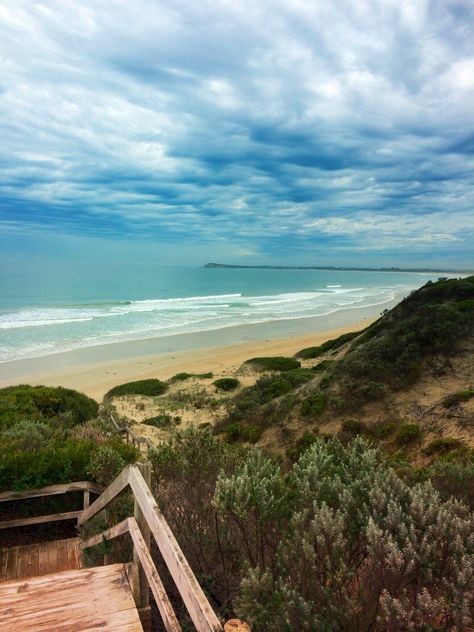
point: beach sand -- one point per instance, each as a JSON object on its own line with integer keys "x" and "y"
{"x": 96, "y": 370}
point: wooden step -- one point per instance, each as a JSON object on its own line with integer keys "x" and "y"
{"x": 33, "y": 560}
{"x": 79, "y": 600}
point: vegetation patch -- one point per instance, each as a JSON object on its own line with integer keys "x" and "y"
{"x": 408, "y": 433}
{"x": 323, "y": 366}
{"x": 383, "y": 429}
{"x": 354, "y": 426}
{"x": 314, "y": 405}
{"x": 163, "y": 420}
{"x": 457, "y": 398}
{"x": 274, "y": 363}
{"x": 227, "y": 383}
{"x": 181, "y": 377}
{"x": 241, "y": 432}
{"x": 302, "y": 444}
{"x": 150, "y": 388}
{"x": 443, "y": 445}
{"x": 330, "y": 345}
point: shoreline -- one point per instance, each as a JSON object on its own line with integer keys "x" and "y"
{"x": 95, "y": 370}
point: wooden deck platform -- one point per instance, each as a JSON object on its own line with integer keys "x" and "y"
{"x": 33, "y": 560}
{"x": 79, "y": 600}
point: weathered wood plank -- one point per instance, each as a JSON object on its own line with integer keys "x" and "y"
{"x": 73, "y": 556}
{"x": 33, "y": 561}
{"x": 22, "y": 564}
{"x": 3, "y": 564}
{"x": 51, "y": 490}
{"x": 113, "y": 490}
{"x": 12, "y": 562}
{"x": 22, "y": 522}
{"x": 198, "y": 607}
{"x": 162, "y": 601}
{"x": 88, "y": 599}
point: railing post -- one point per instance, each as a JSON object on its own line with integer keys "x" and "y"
{"x": 143, "y": 596}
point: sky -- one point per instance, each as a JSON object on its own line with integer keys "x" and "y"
{"x": 253, "y": 131}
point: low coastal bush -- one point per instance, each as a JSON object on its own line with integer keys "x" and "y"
{"x": 163, "y": 420}
{"x": 18, "y": 403}
{"x": 302, "y": 444}
{"x": 443, "y": 445}
{"x": 323, "y": 366}
{"x": 330, "y": 345}
{"x": 274, "y": 363}
{"x": 314, "y": 405}
{"x": 181, "y": 377}
{"x": 354, "y": 426}
{"x": 227, "y": 383}
{"x": 408, "y": 433}
{"x": 383, "y": 429}
{"x": 458, "y": 398}
{"x": 150, "y": 388}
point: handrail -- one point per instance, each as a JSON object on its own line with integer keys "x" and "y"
{"x": 51, "y": 490}
{"x": 129, "y": 525}
{"x": 196, "y": 603}
{"x": 130, "y": 436}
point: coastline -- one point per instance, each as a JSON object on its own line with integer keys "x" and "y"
{"x": 95, "y": 370}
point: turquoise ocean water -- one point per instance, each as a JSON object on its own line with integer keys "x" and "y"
{"x": 59, "y": 308}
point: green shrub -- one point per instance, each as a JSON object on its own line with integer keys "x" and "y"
{"x": 227, "y": 383}
{"x": 383, "y": 429}
{"x": 27, "y": 435}
{"x": 45, "y": 402}
{"x": 150, "y": 388}
{"x": 408, "y": 433}
{"x": 302, "y": 444}
{"x": 453, "y": 479}
{"x": 241, "y": 432}
{"x": 275, "y": 363}
{"x": 353, "y": 426}
{"x": 105, "y": 464}
{"x": 163, "y": 420}
{"x": 322, "y": 366}
{"x": 297, "y": 377}
{"x": 314, "y": 405}
{"x": 458, "y": 398}
{"x": 442, "y": 445}
{"x": 181, "y": 377}
{"x": 329, "y": 345}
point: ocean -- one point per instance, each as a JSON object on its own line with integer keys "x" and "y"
{"x": 55, "y": 308}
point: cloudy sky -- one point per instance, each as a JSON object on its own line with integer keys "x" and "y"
{"x": 317, "y": 131}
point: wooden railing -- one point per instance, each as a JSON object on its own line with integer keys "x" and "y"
{"x": 131, "y": 437}
{"x": 52, "y": 490}
{"x": 148, "y": 520}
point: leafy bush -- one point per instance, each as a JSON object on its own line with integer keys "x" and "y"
{"x": 458, "y": 398}
{"x": 314, "y": 405}
{"x": 105, "y": 464}
{"x": 322, "y": 366}
{"x": 408, "y": 433}
{"x": 181, "y": 377}
{"x": 442, "y": 445}
{"x": 150, "y": 388}
{"x": 353, "y": 426}
{"x": 453, "y": 479}
{"x": 163, "y": 420}
{"x": 297, "y": 377}
{"x": 329, "y": 345}
{"x": 227, "y": 383}
{"x": 36, "y": 402}
{"x": 27, "y": 435}
{"x": 275, "y": 363}
{"x": 342, "y": 543}
{"x": 241, "y": 432}
{"x": 383, "y": 429}
{"x": 301, "y": 445}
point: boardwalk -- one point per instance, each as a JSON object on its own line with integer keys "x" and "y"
{"x": 77, "y": 600}
{"x": 32, "y": 560}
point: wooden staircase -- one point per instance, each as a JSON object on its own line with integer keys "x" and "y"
{"x": 44, "y": 588}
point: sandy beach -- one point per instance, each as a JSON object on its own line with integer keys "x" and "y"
{"x": 96, "y": 370}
